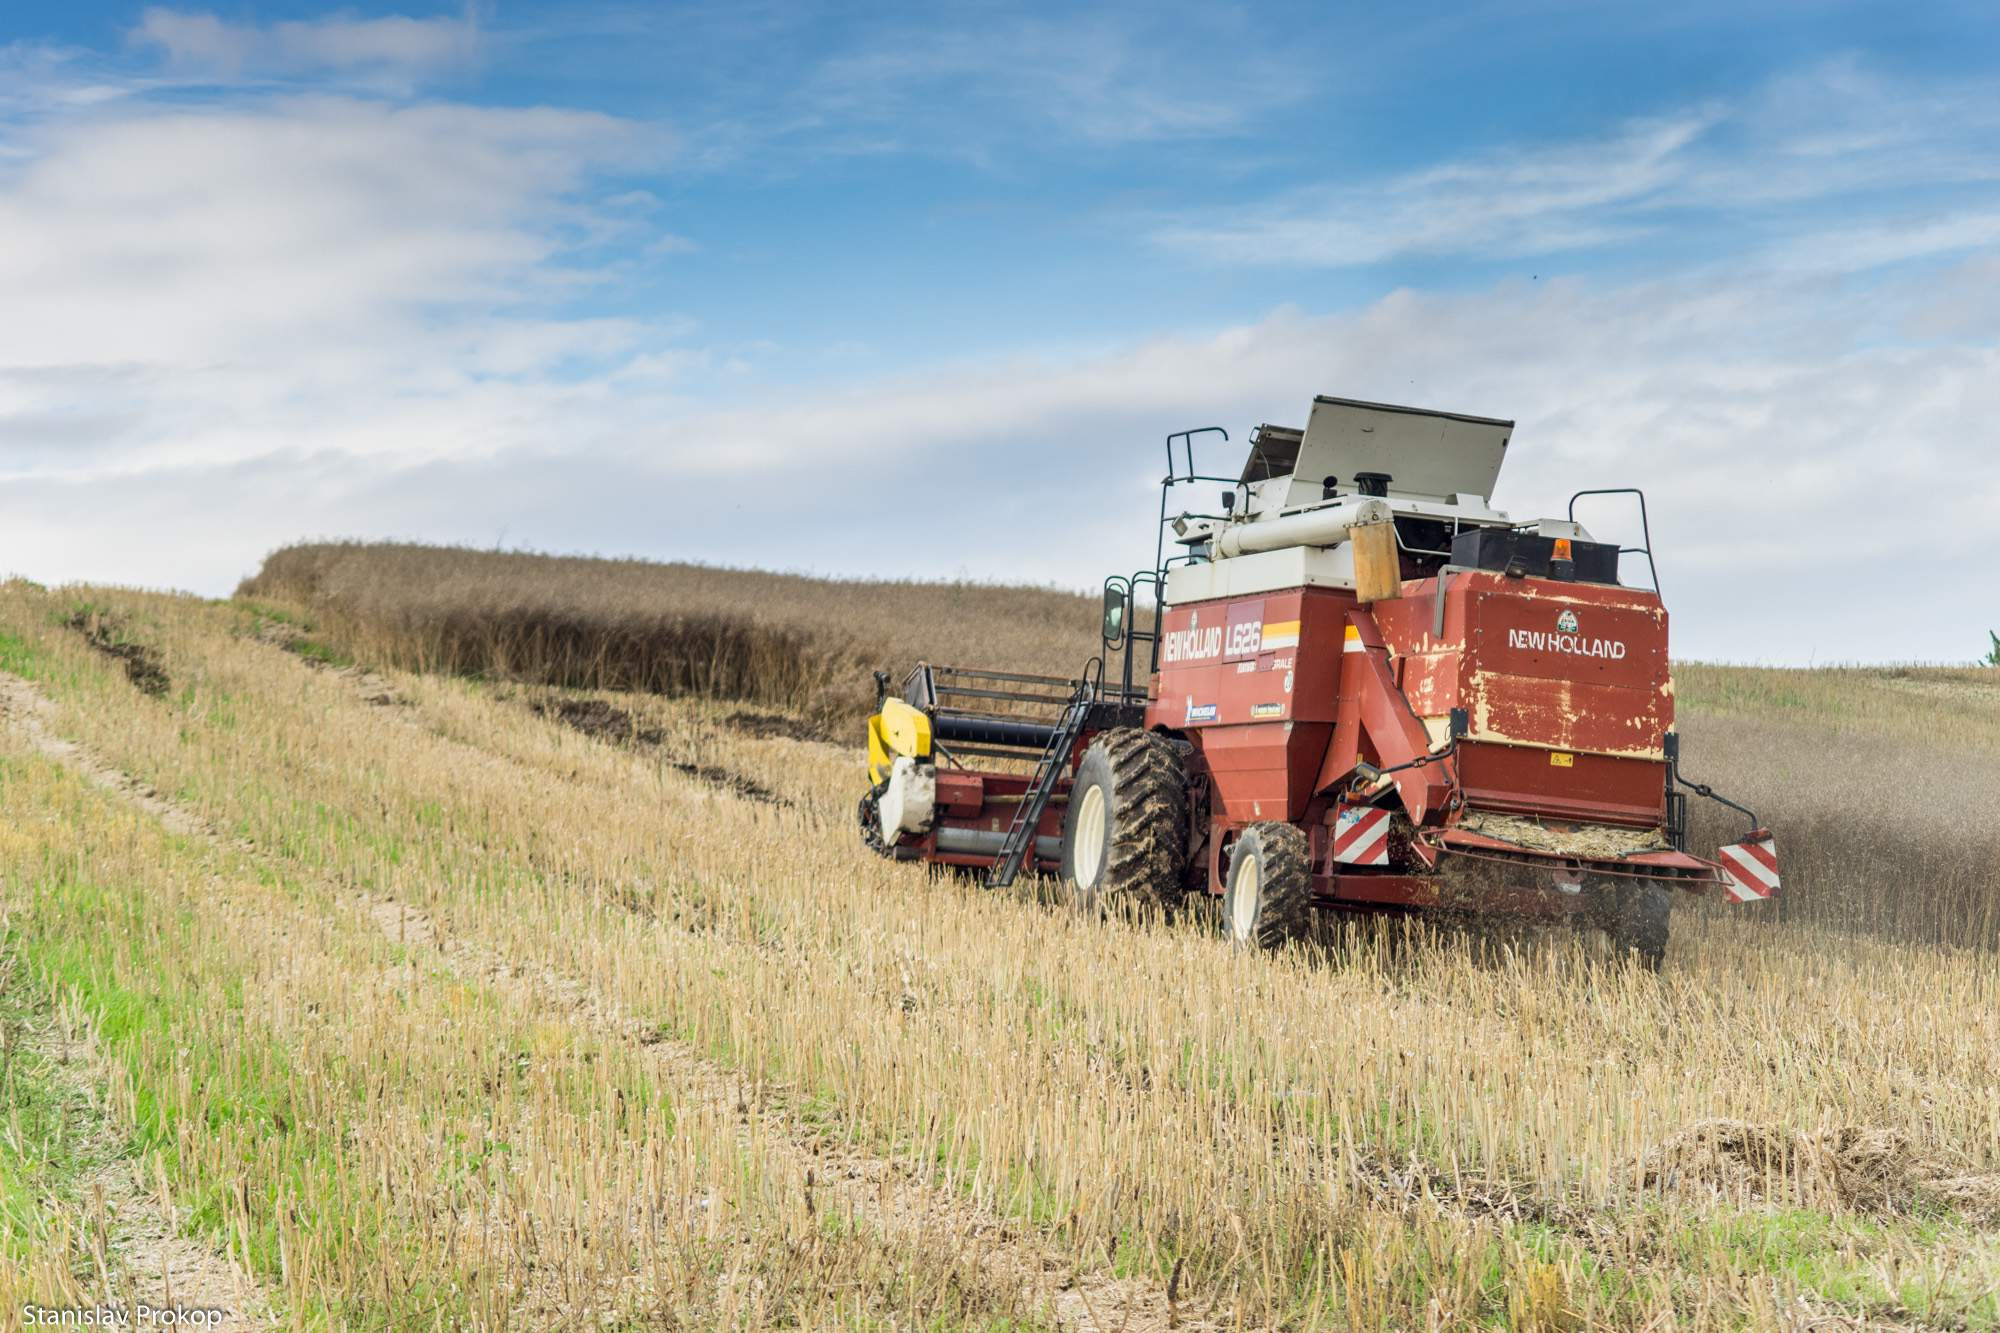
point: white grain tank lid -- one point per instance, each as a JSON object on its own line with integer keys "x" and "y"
{"x": 1433, "y": 455}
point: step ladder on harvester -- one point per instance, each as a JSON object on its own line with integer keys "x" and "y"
{"x": 1035, "y": 801}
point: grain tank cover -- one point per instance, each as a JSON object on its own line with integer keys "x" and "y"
{"x": 1274, "y": 452}
{"x": 1435, "y": 455}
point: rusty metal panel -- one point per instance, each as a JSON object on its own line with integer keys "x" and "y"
{"x": 1529, "y": 633}
{"x": 1563, "y": 715}
{"x": 1532, "y": 780}
{"x": 1560, "y": 666}
{"x": 1380, "y": 890}
{"x": 1430, "y": 683}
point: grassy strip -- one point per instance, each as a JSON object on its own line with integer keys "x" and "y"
{"x": 162, "y": 955}
{"x": 398, "y": 1148}
{"x": 53, "y": 1138}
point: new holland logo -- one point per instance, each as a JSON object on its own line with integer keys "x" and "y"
{"x": 1566, "y": 640}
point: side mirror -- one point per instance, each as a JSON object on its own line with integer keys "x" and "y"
{"x": 1229, "y": 502}
{"x": 1114, "y": 617}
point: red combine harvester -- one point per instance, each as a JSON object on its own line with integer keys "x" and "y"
{"x": 1362, "y": 688}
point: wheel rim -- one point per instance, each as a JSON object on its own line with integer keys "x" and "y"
{"x": 1090, "y": 837}
{"x": 1248, "y": 886}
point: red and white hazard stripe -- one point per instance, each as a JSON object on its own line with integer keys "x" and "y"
{"x": 1750, "y": 868}
{"x": 1361, "y": 836}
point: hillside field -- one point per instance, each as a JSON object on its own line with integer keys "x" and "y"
{"x": 448, "y": 939}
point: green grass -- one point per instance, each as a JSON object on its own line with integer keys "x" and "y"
{"x": 255, "y": 619}
{"x": 1928, "y": 1268}
{"x": 315, "y": 650}
{"x": 262, "y": 613}
{"x": 17, "y": 657}
{"x": 1891, "y": 701}
{"x": 211, "y": 1087}
{"x": 53, "y": 1136}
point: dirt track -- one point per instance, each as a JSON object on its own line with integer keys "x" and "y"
{"x": 147, "y": 1259}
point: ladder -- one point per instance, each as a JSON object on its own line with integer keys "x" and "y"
{"x": 1028, "y": 815}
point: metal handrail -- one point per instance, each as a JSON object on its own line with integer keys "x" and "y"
{"x": 1017, "y": 677}
{"x": 1129, "y": 634}
{"x": 1175, "y": 477}
{"x": 1008, "y": 696}
{"x": 1645, "y": 529}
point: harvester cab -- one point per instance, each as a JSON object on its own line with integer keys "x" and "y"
{"x": 1355, "y": 686}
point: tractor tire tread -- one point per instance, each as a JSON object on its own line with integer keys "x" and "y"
{"x": 1287, "y": 910}
{"x": 1149, "y": 838}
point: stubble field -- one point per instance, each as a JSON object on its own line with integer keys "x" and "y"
{"x": 358, "y": 996}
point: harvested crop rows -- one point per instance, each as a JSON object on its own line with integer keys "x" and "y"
{"x": 449, "y": 1011}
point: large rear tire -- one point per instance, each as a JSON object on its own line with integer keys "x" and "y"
{"x": 1638, "y": 916}
{"x": 1125, "y": 834}
{"x": 1268, "y": 898}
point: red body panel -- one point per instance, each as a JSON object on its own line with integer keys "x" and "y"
{"x": 1539, "y": 666}
{"x": 1566, "y": 703}
{"x": 1564, "y": 666}
{"x": 1258, "y": 678}
{"x": 1565, "y": 689}
{"x": 961, "y": 793}
{"x": 1599, "y": 789}
{"x": 1423, "y": 891}
{"x": 1643, "y": 865}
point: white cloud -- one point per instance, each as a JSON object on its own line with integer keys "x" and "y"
{"x": 196, "y": 287}
{"x": 394, "y": 47}
{"x": 1790, "y": 455}
{"x": 1841, "y": 249}
{"x": 243, "y": 235}
{"x": 1836, "y": 132}
{"x": 1511, "y": 203}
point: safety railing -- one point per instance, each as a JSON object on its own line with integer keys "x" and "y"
{"x": 1645, "y": 527}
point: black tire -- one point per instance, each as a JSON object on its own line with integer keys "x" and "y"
{"x": 1125, "y": 833}
{"x": 870, "y": 816}
{"x": 1265, "y": 909}
{"x": 1638, "y": 916}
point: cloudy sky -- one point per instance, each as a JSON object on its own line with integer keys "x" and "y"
{"x": 919, "y": 291}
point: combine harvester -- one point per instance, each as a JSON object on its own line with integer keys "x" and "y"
{"x": 1363, "y": 689}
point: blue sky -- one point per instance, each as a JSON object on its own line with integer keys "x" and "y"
{"x": 917, "y": 291}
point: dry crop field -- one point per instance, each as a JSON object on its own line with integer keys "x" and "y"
{"x": 340, "y": 993}
{"x": 802, "y": 644}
